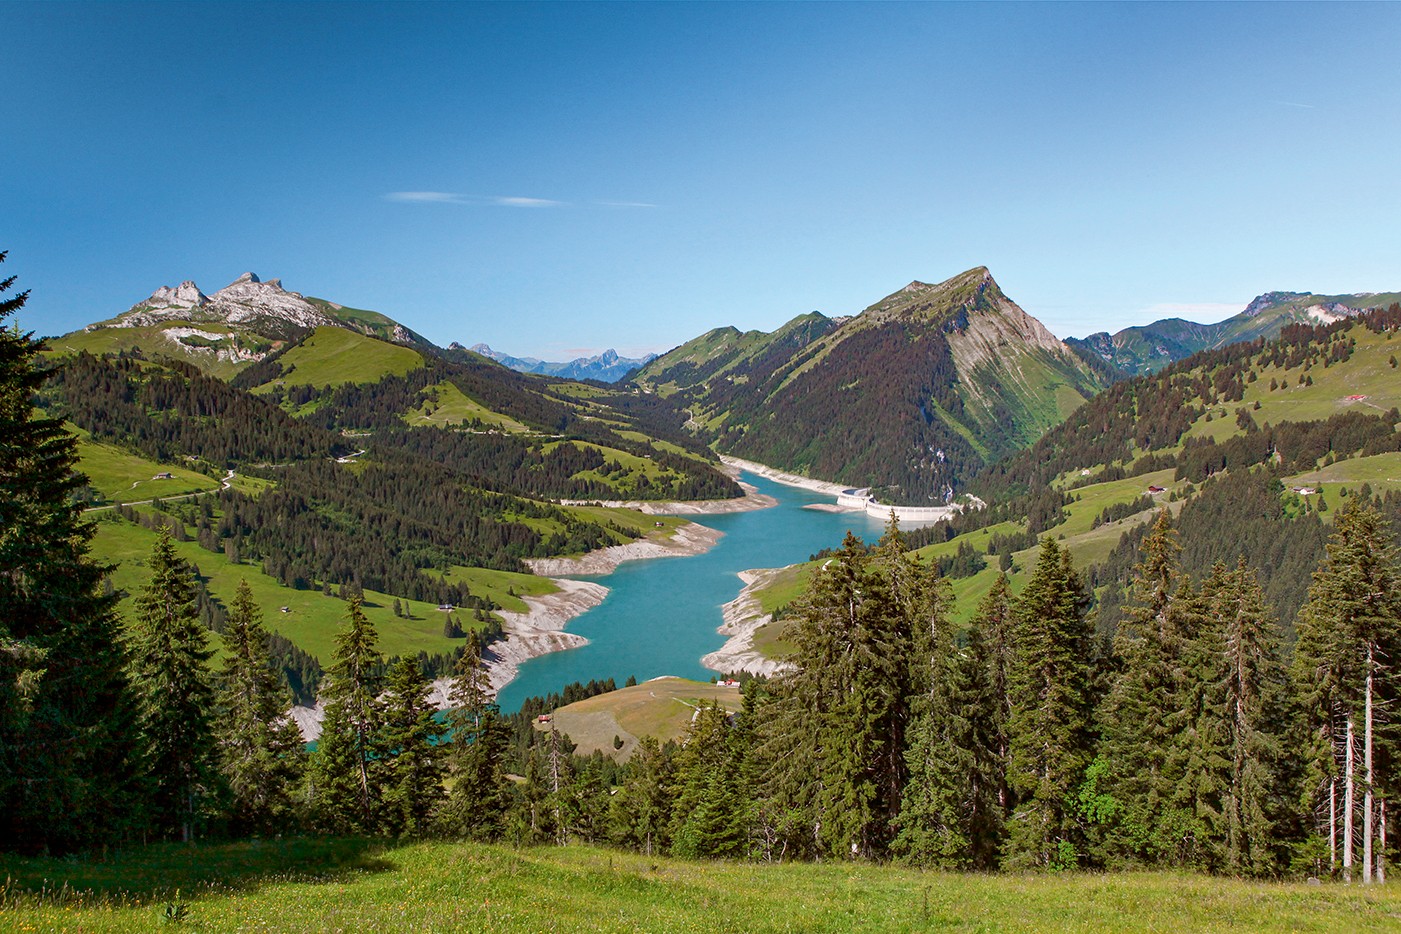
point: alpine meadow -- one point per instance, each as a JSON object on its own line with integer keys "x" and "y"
{"x": 661, "y": 492}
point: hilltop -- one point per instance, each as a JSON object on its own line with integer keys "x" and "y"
{"x": 910, "y": 396}
{"x": 1150, "y": 347}
{"x": 230, "y": 329}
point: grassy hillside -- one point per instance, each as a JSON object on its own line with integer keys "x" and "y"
{"x": 348, "y": 885}
{"x": 661, "y": 708}
{"x": 335, "y": 356}
{"x": 122, "y": 477}
{"x": 162, "y": 340}
{"x": 312, "y": 618}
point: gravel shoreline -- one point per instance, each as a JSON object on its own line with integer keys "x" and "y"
{"x": 689, "y": 539}
{"x": 744, "y": 616}
{"x": 787, "y": 479}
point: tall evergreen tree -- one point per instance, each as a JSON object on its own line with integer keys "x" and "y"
{"x": 170, "y": 655}
{"x": 1145, "y": 714}
{"x": 1240, "y": 775}
{"x": 413, "y": 768}
{"x": 479, "y": 799}
{"x": 831, "y": 747}
{"x": 708, "y": 814}
{"x": 1349, "y": 630}
{"x": 260, "y": 747}
{"x": 1049, "y": 730}
{"x": 67, "y": 743}
{"x": 937, "y": 803}
{"x": 988, "y": 663}
{"x": 641, "y": 810}
{"x": 345, "y": 767}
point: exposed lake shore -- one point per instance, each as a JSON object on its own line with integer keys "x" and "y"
{"x": 689, "y": 539}
{"x": 744, "y": 616}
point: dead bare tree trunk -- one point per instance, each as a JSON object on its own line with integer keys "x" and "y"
{"x": 1332, "y": 825}
{"x": 1367, "y": 769}
{"x": 1349, "y": 800}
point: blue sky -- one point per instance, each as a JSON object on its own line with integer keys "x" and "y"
{"x": 556, "y": 179}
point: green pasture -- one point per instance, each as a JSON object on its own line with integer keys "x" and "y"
{"x": 312, "y": 618}
{"x": 333, "y": 356}
{"x": 331, "y": 884}
{"x": 453, "y": 407}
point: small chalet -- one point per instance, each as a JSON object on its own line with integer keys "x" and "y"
{"x": 543, "y": 718}
{"x": 164, "y": 475}
{"x": 446, "y": 607}
{"x": 1305, "y": 490}
{"x": 1154, "y": 490}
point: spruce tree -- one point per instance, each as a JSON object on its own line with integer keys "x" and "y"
{"x": 413, "y": 768}
{"x": 831, "y": 756}
{"x": 1049, "y": 730}
{"x": 1145, "y": 712}
{"x": 987, "y": 665}
{"x": 345, "y": 770}
{"x": 708, "y": 812}
{"x": 67, "y": 743}
{"x": 1239, "y": 779}
{"x": 478, "y": 802}
{"x": 936, "y": 805}
{"x": 641, "y": 811}
{"x": 1349, "y": 630}
{"x": 170, "y": 654}
{"x": 260, "y": 747}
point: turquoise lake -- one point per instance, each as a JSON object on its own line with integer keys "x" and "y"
{"x": 661, "y": 614}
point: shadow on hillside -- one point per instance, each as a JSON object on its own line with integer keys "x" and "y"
{"x": 160, "y": 871}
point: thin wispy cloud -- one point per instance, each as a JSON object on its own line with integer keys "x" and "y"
{"x": 516, "y": 202}
{"x": 1296, "y": 104}
{"x": 426, "y": 197}
{"x": 504, "y": 201}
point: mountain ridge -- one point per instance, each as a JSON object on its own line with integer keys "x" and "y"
{"x": 607, "y": 367}
{"x": 909, "y": 395}
{"x": 1147, "y": 348}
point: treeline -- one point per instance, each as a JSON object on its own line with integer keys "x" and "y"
{"x": 873, "y": 410}
{"x": 173, "y": 411}
{"x": 523, "y": 465}
{"x": 1150, "y": 413}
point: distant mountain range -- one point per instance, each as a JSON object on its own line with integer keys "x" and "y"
{"x": 909, "y": 396}
{"x": 1149, "y": 348}
{"x": 606, "y": 367}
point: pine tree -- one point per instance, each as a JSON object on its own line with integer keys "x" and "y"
{"x": 988, "y": 663}
{"x": 1349, "y": 631}
{"x": 478, "y": 802}
{"x": 640, "y": 813}
{"x": 1049, "y": 728}
{"x": 345, "y": 768}
{"x": 936, "y": 805}
{"x": 62, "y": 670}
{"x": 1240, "y": 776}
{"x": 1146, "y": 712}
{"x": 708, "y": 814}
{"x": 412, "y": 769}
{"x": 260, "y": 747}
{"x": 831, "y": 751}
{"x": 170, "y": 655}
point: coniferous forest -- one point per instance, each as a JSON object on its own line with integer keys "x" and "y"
{"x": 1154, "y": 713}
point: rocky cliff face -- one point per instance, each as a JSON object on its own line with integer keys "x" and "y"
{"x": 247, "y": 299}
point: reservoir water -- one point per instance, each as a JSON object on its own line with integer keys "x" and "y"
{"x": 661, "y": 614}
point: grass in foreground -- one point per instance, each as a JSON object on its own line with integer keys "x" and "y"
{"x": 348, "y": 885}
